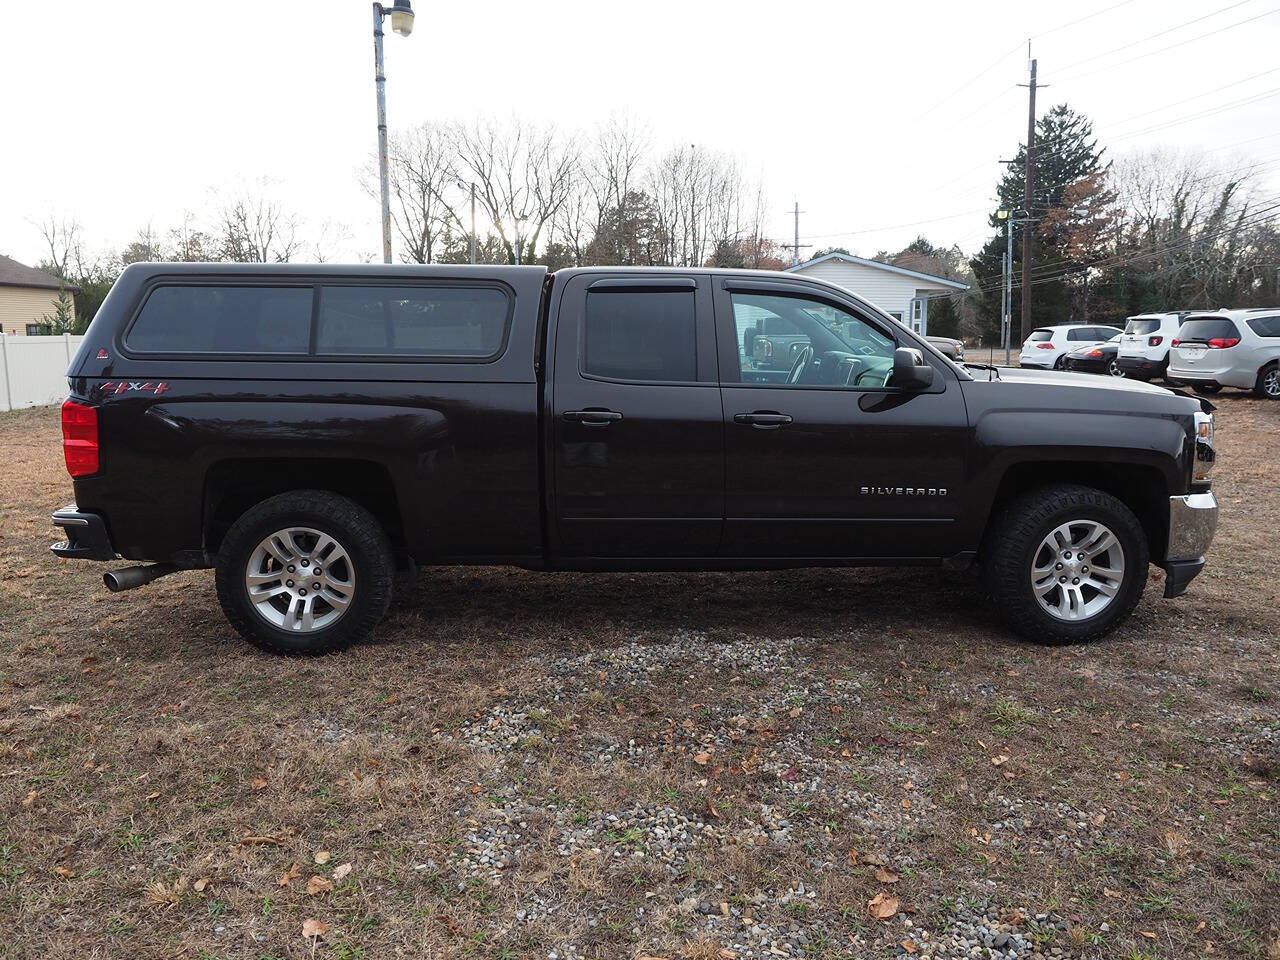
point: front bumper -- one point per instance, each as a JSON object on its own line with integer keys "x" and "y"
{"x": 87, "y": 537}
{"x": 1193, "y": 518}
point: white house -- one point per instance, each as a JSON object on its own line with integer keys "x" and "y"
{"x": 903, "y": 294}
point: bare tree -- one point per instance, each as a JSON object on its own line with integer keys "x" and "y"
{"x": 64, "y": 246}
{"x": 609, "y": 176}
{"x": 523, "y": 175}
{"x": 189, "y": 244}
{"x": 255, "y": 229}
{"x": 421, "y": 170}
{"x": 698, "y": 197}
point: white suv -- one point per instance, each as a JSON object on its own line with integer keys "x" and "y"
{"x": 1230, "y": 348}
{"x": 1047, "y": 347}
{"x": 1144, "y": 348}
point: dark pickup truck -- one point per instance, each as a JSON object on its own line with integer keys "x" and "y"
{"x": 305, "y": 430}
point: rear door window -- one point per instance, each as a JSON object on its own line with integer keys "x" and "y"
{"x": 1081, "y": 333}
{"x": 1204, "y": 329}
{"x": 219, "y": 318}
{"x": 640, "y": 335}
{"x": 467, "y": 323}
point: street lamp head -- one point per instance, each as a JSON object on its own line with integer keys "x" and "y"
{"x": 401, "y": 17}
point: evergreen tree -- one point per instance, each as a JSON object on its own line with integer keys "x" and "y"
{"x": 1066, "y": 153}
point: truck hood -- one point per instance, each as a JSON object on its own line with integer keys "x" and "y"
{"x": 1086, "y": 381}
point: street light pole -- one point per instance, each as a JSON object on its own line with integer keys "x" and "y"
{"x": 401, "y": 23}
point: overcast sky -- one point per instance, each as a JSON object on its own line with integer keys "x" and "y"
{"x": 874, "y": 116}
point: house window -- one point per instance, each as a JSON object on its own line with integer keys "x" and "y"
{"x": 896, "y": 314}
{"x": 917, "y": 311}
{"x": 39, "y": 329}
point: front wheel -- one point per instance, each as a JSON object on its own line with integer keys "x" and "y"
{"x": 306, "y": 572}
{"x": 1113, "y": 368}
{"x": 1065, "y": 564}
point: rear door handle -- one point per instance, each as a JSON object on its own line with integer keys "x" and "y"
{"x": 591, "y": 418}
{"x": 762, "y": 420}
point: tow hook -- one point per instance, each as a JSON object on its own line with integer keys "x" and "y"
{"x": 130, "y": 578}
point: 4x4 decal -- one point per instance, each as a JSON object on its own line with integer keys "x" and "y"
{"x": 124, "y": 386}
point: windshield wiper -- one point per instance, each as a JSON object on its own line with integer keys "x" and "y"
{"x": 984, "y": 366}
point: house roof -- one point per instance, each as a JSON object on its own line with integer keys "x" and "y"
{"x": 15, "y": 274}
{"x": 878, "y": 265}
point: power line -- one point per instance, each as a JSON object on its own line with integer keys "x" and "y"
{"x": 1173, "y": 46}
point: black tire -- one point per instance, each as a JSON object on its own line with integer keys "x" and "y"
{"x": 1060, "y": 363}
{"x": 1268, "y": 383}
{"x": 1206, "y": 389}
{"x": 347, "y": 522}
{"x": 1014, "y": 538}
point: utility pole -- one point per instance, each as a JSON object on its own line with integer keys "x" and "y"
{"x": 795, "y": 247}
{"x": 1028, "y": 181}
{"x": 473, "y": 224}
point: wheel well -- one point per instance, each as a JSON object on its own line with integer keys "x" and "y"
{"x": 1140, "y": 488}
{"x": 233, "y": 486}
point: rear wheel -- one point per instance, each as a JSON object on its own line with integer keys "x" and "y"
{"x": 1268, "y": 384}
{"x": 1060, "y": 363}
{"x": 1065, "y": 564}
{"x": 306, "y": 572}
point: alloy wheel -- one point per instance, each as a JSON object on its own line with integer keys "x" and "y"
{"x": 300, "y": 579}
{"x": 1113, "y": 368}
{"x": 1077, "y": 570}
{"x": 1271, "y": 383}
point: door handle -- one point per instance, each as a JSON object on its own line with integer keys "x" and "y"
{"x": 591, "y": 418}
{"x": 762, "y": 420}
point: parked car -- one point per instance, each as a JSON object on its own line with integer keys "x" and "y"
{"x": 1230, "y": 348}
{"x": 1096, "y": 359}
{"x": 772, "y": 343}
{"x": 948, "y": 347}
{"x": 304, "y": 429}
{"x": 1047, "y": 347}
{"x": 1144, "y": 348}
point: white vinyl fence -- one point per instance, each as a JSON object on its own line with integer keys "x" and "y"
{"x": 33, "y": 370}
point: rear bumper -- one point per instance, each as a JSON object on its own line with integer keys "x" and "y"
{"x": 1193, "y": 518}
{"x": 87, "y": 537}
{"x": 1142, "y": 365}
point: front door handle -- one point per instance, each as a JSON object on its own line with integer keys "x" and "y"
{"x": 763, "y": 420}
{"x": 591, "y": 418}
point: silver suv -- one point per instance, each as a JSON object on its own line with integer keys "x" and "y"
{"x": 1230, "y": 348}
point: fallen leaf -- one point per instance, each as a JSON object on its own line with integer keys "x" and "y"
{"x": 791, "y": 775}
{"x": 311, "y": 927}
{"x": 845, "y": 752}
{"x": 30, "y": 798}
{"x": 1113, "y": 894}
{"x": 852, "y": 857}
{"x": 341, "y": 871}
{"x": 702, "y": 759}
{"x": 1000, "y": 760}
{"x": 909, "y": 946}
{"x": 794, "y": 712}
{"x": 200, "y": 885}
{"x": 290, "y": 875}
{"x": 65, "y": 872}
{"x": 1123, "y": 776}
{"x": 711, "y": 809}
{"x": 323, "y": 857}
{"x": 1199, "y": 926}
{"x": 885, "y": 875}
{"x": 1175, "y": 843}
{"x": 1149, "y": 934}
{"x": 317, "y": 885}
{"x": 906, "y": 803}
{"x": 154, "y": 795}
{"x": 258, "y": 783}
{"x": 1098, "y": 819}
{"x": 882, "y": 906}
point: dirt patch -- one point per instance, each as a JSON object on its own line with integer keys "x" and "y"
{"x": 707, "y": 766}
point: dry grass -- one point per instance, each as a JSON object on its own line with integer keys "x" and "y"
{"x": 141, "y": 743}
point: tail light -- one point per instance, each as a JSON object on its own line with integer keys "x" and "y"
{"x": 1175, "y": 342}
{"x": 80, "y": 438}
{"x": 1222, "y": 343}
{"x": 1095, "y": 352}
{"x": 1156, "y": 341}
{"x": 1044, "y": 346}
{"x": 768, "y": 347}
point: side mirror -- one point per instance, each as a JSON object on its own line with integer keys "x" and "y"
{"x": 910, "y": 370}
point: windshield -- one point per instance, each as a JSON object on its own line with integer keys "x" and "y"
{"x": 1040, "y": 335}
{"x": 1143, "y": 325}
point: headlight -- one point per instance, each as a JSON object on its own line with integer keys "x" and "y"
{"x": 1203, "y": 465}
